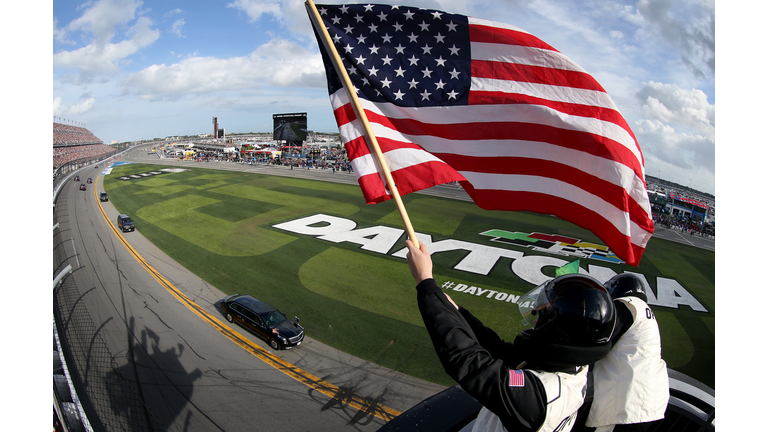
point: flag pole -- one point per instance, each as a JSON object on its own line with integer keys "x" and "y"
{"x": 342, "y": 72}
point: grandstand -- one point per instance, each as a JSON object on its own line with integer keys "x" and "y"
{"x": 75, "y": 144}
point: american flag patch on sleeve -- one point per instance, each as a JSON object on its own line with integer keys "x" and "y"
{"x": 516, "y": 378}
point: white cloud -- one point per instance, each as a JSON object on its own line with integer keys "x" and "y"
{"x": 103, "y": 17}
{"x": 256, "y": 8}
{"x": 678, "y": 134}
{"x": 95, "y": 59}
{"x": 101, "y": 58}
{"x": 85, "y": 104}
{"x": 60, "y": 35}
{"x": 688, "y": 27}
{"x": 176, "y": 27}
{"x": 682, "y": 150}
{"x": 170, "y": 13}
{"x": 279, "y": 63}
{"x": 671, "y": 104}
{"x": 289, "y": 14}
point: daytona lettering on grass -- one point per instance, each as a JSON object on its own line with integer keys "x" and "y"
{"x": 487, "y": 293}
{"x": 480, "y": 259}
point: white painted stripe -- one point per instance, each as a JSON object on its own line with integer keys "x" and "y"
{"x": 489, "y": 23}
{"x": 611, "y": 171}
{"x": 517, "y": 54}
{"x": 545, "y": 91}
{"x": 548, "y": 186}
{"x": 492, "y": 113}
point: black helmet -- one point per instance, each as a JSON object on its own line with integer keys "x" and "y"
{"x": 626, "y": 284}
{"x": 573, "y": 310}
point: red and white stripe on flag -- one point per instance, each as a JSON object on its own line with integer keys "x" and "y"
{"x": 530, "y": 131}
{"x": 516, "y": 378}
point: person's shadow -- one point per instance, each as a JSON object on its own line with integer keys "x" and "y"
{"x": 152, "y": 388}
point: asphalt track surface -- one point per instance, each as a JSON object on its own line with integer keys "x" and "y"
{"x": 193, "y": 369}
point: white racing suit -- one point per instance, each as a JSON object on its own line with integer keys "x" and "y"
{"x": 631, "y": 382}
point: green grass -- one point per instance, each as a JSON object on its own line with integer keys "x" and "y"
{"x": 218, "y": 224}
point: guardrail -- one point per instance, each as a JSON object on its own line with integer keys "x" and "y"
{"x": 66, "y": 403}
{"x": 89, "y": 391}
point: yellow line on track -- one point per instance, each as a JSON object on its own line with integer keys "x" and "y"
{"x": 361, "y": 404}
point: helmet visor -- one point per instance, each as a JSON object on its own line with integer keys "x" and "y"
{"x": 532, "y": 304}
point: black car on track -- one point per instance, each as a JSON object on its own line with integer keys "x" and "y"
{"x": 125, "y": 223}
{"x": 263, "y": 320}
{"x": 103, "y": 196}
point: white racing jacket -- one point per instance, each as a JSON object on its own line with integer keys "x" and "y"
{"x": 631, "y": 382}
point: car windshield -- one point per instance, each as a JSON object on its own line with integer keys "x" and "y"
{"x": 273, "y": 318}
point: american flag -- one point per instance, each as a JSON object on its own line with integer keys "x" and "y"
{"x": 517, "y": 123}
{"x": 516, "y": 378}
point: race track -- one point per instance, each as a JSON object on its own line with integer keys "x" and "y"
{"x": 193, "y": 370}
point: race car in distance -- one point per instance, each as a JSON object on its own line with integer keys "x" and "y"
{"x": 82, "y": 186}
{"x": 103, "y": 196}
{"x": 89, "y": 180}
{"x": 263, "y": 320}
{"x": 77, "y": 178}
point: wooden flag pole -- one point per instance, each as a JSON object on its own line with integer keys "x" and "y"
{"x": 360, "y": 112}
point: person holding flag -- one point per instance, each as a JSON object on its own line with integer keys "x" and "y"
{"x": 423, "y": 97}
{"x": 536, "y": 383}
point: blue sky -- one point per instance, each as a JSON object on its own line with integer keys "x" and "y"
{"x": 132, "y": 69}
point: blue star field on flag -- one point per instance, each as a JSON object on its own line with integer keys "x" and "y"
{"x": 403, "y": 55}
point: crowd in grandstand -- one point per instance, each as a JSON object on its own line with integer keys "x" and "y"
{"x": 69, "y": 135}
{"x": 74, "y": 143}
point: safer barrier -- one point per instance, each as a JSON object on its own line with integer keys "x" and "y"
{"x": 90, "y": 393}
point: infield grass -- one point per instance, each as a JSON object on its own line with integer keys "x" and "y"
{"x": 219, "y": 225}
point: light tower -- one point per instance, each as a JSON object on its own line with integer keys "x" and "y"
{"x": 215, "y": 127}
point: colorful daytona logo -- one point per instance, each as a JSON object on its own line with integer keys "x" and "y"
{"x": 555, "y": 244}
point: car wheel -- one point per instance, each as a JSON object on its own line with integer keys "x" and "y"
{"x": 229, "y": 318}
{"x": 274, "y": 343}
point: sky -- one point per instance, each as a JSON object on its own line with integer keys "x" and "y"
{"x": 130, "y": 69}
